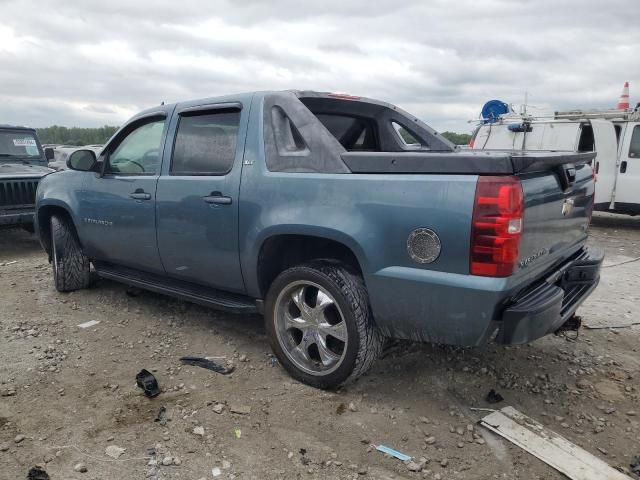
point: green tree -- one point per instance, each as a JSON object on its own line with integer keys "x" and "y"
{"x": 457, "y": 138}
{"x": 75, "y": 135}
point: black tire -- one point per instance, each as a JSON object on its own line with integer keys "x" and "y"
{"x": 71, "y": 267}
{"x": 347, "y": 288}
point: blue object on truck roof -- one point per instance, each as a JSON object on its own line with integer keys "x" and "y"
{"x": 492, "y": 110}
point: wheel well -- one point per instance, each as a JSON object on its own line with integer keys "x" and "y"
{"x": 284, "y": 251}
{"x": 44, "y": 223}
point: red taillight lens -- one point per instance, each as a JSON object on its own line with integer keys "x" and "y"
{"x": 496, "y": 226}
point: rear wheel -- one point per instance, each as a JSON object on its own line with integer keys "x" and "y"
{"x": 71, "y": 267}
{"x": 320, "y": 324}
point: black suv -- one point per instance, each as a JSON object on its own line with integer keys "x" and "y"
{"x": 22, "y": 164}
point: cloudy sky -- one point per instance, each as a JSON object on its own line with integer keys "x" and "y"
{"x": 90, "y": 63}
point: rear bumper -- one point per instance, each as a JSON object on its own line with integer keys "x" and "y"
{"x": 546, "y": 306}
{"x": 16, "y": 217}
{"x": 456, "y": 309}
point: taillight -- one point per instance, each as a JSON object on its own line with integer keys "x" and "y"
{"x": 496, "y": 226}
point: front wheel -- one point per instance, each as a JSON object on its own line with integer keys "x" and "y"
{"x": 320, "y": 325}
{"x": 71, "y": 267}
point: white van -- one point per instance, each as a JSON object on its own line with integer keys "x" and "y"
{"x": 613, "y": 134}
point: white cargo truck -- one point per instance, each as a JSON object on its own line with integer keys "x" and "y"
{"x": 613, "y": 134}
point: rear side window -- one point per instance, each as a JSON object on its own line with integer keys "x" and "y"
{"x": 406, "y": 136}
{"x": 354, "y": 133}
{"x": 634, "y": 147}
{"x": 206, "y": 143}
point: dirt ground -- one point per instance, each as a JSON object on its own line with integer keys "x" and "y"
{"x": 68, "y": 393}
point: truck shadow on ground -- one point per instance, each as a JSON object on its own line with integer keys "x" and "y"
{"x": 441, "y": 372}
{"x": 16, "y": 242}
{"x": 621, "y": 222}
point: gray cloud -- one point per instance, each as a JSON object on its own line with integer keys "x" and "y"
{"x": 92, "y": 62}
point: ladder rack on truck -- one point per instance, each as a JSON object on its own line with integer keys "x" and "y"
{"x": 614, "y": 134}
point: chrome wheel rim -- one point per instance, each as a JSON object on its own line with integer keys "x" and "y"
{"x": 310, "y": 327}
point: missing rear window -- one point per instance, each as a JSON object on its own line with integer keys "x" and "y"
{"x": 354, "y": 133}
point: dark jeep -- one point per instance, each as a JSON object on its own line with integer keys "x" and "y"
{"x": 22, "y": 164}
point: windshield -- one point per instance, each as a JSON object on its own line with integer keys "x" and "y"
{"x": 18, "y": 144}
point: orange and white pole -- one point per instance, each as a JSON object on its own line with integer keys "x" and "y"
{"x": 623, "y": 103}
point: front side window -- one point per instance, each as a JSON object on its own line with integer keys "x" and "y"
{"x": 206, "y": 143}
{"x": 139, "y": 152}
{"x": 634, "y": 147}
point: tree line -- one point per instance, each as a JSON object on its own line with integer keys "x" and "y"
{"x": 457, "y": 138}
{"x": 97, "y": 136}
{"x": 75, "y": 136}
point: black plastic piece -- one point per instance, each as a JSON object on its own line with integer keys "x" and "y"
{"x": 206, "y": 363}
{"x": 493, "y": 397}
{"x": 147, "y": 382}
{"x": 37, "y": 473}
{"x": 567, "y": 174}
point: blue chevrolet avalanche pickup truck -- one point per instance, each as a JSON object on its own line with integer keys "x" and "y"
{"x": 344, "y": 220}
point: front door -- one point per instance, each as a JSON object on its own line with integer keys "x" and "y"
{"x": 628, "y": 183}
{"x": 606, "y": 146}
{"x": 120, "y": 222}
{"x": 197, "y": 197}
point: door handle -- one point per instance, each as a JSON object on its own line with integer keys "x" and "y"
{"x": 140, "y": 194}
{"x": 216, "y": 198}
{"x": 623, "y": 167}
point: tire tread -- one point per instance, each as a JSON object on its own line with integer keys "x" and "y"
{"x": 73, "y": 268}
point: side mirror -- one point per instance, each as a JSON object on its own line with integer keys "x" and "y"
{"x": 49, "y": 153}
{"x": 82, "y": 160}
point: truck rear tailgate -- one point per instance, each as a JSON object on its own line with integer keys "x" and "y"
{"x": 556, "y": 217}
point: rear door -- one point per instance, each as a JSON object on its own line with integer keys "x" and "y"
{"x": 197, "y": 207}
{"x": 606, "y": 146}
{"x": 628, "y": 183}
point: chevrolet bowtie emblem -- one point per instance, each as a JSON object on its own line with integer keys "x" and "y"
{"x": 567, "y": 206}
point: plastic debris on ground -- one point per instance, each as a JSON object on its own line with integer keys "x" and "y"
{"x": 216, "y": 472}
{"x": 206, "y": 363}
{"x": 147, "y": 382}
{"x": 238, "y": 432}
{"x": 162, "y": 416}
{"x": 493, "y": 397}
{"x": 89, "y": 324}
{"x": 37, "y": 473}
{"x": 553, "y": 449}
{"x": 394, "y": 453}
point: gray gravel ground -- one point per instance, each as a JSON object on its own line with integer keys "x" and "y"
{"x": 68, "y": 394}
